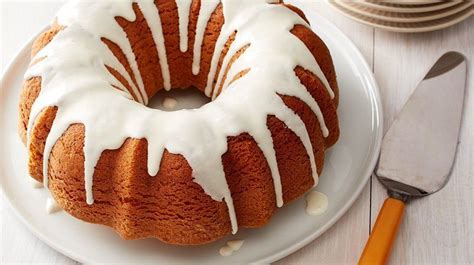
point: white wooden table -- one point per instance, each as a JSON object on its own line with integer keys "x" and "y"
{"x": 438, "y": 229}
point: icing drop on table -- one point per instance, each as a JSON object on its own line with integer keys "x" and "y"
{"x": 230, "y": 247}
{"x": 235, "y": 244}
{"x": 52, "y": 206}
{"x": 169, "y": 103}
{"x": 316, "y": 203}
{"x": 34, "y": 183}
{"x": 225, "y": 251}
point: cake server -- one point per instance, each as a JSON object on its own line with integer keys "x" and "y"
{"x": 418, "y": 150}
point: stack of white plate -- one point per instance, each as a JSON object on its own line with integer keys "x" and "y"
{"x": 406, "y": 15}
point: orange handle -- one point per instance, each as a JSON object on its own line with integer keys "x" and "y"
{"x": 377, "y": 249}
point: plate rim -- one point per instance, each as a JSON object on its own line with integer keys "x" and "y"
{"x": 371, "y": 161}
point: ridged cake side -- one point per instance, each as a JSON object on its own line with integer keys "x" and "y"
{"x": 171, "y": 206}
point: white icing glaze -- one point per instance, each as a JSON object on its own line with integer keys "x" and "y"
{"x": 52, "y": 206}
{"x": 235, "y": 244}
{"x": 316, "y": 203}
{"x": 205, "y": 12}
{"x": 150, "y": 12}
{"x": 183, "y": 16}
{"x": 103, "y": 24}
{"x": 75, "y": 79}
{"x": 169, "y": 103}
{"x": 34, "y": 183}
{"x": 230, "y": 247}
{"x": 225, "y": 251}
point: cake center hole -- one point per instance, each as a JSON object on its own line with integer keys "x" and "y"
{"x": 177, "y": 99}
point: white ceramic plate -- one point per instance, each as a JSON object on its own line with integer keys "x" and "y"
{"x": 358, "y": 7}
{"x": 412, "y": 27}
{"x": 347, "y": 169}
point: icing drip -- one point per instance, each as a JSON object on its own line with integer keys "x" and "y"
{"x": 183, "y": 14}
{"x": 205, "y": 12}
{"x": 76, "y": 81}
{"x": 35, "y": 184}
{"x": 52, "y": 206}
{"x": 103, "y": 24}
{"x": 150, "y": 12}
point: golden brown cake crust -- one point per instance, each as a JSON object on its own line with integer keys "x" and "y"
{"x": 171, "y": 206}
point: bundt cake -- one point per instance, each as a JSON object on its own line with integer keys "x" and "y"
{"x": 187, "y": 176}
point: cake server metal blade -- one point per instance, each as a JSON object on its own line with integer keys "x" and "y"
{"x": 418, "y": 150}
